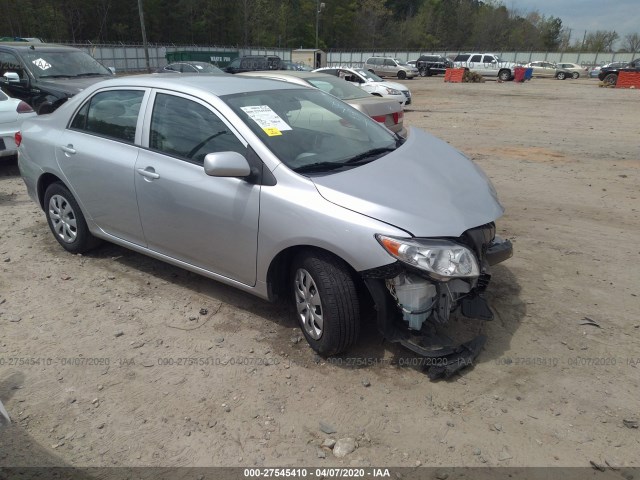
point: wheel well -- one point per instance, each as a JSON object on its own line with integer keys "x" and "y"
{"x": 43, "y": 183}
{"x": 504, "y": 70}
{"x": 281, "y": 265}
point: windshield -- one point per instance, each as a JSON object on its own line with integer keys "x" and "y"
{"x": 371, "y": 77}
{"x": 310, "y": 131}
{"x": 68, "y": 63}
{"x": 203, "y": 67}
{"x": 338, "y": 87}
{"x": 400, "y": 62}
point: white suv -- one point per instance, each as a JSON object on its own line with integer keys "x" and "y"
{"x": 371, "y": 83}
{"x": 486, "y": 64}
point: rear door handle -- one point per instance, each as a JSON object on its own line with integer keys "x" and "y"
{"x": 148, "y": 172}
{"x": 68, "y": 149}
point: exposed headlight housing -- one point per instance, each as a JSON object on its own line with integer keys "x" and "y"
{"x": 441, "y": 259}
{"x": 393, "y": 91}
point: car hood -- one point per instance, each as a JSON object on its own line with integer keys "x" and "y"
{"x": 425, "y": 187}
{"x": 70, "y": 85}
{"x": 397, "y": 86}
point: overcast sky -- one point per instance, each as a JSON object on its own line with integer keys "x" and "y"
{"x": 623, "y": 16}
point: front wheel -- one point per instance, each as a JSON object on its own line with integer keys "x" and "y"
{"x": 66, "y": 220}
{"x": 402, "y": 75}
{"x": 575, "y": 75}
{"x": 424, "y": 72}
{"x": 504, "y": 75}
{"x": 561, "y": 76}
{"x": 326, "y": 302}
{"x": 610, "y": 79}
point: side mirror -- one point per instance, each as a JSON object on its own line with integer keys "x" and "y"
{"x": 226, "y": 164}
{"x": 11, "y": 77}
{"x": 112, "y": 70}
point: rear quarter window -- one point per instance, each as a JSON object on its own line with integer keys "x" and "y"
{"x": 112, "y": 114}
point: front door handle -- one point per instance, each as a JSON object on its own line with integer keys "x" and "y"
{"x": 68, "y": 149}
{"x": 148, "y": 172}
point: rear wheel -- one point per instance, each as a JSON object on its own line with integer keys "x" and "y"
{"x": 610, "y": 79}
{"x": 326, "y": 302}
{"x": 402, "y": 75}
{"x": 66, "y": 220}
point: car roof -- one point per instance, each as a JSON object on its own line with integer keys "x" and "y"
{"x": 285, "y": 74}
{"x": 216, "y": 84}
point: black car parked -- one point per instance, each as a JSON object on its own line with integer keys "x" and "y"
{"x": 609, "y": 75}
{"x": 46, "y": 75}
{"x": 433, "y": 65}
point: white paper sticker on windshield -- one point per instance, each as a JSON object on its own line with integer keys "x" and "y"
{"x": 267, "y": 119}
{"x": 41, "y": 63}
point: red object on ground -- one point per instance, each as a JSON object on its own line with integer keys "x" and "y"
{"x": 628, "y": 80}
{"x": 518, "y": 73}
{"x": 454, "y": 75}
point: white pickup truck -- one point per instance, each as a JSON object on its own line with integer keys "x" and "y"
{"x": 486, "y": 64}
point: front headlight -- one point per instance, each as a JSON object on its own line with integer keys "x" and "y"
{"x": 442, "y": 259}
{"x": 393, "y": 91}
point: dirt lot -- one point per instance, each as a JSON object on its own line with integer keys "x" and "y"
{"x": 90, "y": 345}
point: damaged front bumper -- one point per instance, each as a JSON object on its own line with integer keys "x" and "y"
{"x": 411, "y": 304}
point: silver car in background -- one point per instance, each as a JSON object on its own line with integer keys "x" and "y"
{"x": 279, "y": 190}
{"x": 385, "y": 111}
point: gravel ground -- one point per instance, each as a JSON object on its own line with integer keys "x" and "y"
{"x": 90, "y": 345}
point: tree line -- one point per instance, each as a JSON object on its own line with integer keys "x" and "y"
{"x": 342, "y": 24}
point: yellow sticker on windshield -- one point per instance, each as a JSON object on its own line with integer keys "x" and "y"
{"x": 272, "y": 132}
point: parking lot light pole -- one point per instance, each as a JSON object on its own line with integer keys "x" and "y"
{"x": 319, "y": 7}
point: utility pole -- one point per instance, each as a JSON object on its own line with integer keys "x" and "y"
{"x": 319, "y": 7}
{"x": 144, "y": 35}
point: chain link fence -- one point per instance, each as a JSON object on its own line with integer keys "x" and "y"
{"x": 131, "y": 57}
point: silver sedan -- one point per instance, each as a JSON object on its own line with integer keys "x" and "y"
{"x": 279, "y": 190}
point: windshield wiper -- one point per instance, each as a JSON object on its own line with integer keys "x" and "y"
{"x": 56, "y": 76}
{"x": 92, "y": 74}
{"x": 318, "y": 167}
{"x": 360, "y": 159}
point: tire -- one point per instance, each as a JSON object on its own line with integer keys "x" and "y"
{"x": 66, "y": 220}
{"x": 402, "y": 75}
{"x": 424, "y": 72}
{"x": 575, "y": 75}
{"x": 504, "y": 75}
{"x": 561, "y": 75}
{"x": 610, "y": 79}
{"x": 325, "y": 302}
{"x": 371, "y": 71}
